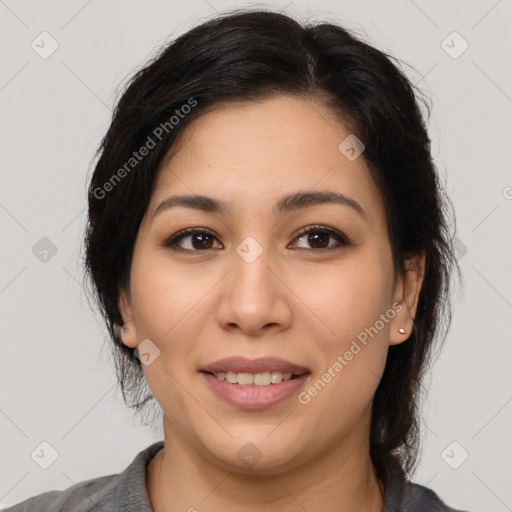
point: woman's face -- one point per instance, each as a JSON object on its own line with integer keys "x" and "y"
{"x": 250, "y": 284}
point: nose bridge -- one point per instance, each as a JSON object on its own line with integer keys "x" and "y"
{"x": 253, "y": 298}
{"x": 251, "y": 262}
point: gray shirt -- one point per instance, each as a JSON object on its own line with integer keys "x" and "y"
{"x": 126, "y": 492}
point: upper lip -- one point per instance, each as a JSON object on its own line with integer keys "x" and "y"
{"x": 259, "y": 365}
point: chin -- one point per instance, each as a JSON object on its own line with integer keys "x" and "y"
{"x": 258, "y": 454}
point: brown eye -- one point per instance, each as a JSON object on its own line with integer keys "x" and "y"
{"x": 318, "y": 237}
{"x": 203, "y": 241}
{"x": 199, "y": 240}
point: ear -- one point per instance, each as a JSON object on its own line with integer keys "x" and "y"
{"x": 406, "y": 293}
{"x": 128, "y": 338}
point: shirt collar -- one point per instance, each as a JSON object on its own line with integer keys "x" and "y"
{"x": 131, "y": 493}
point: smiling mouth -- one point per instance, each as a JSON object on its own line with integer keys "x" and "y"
{"x": 254, "y": 379}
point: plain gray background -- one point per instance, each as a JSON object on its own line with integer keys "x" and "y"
{"x": 57, "y": 379}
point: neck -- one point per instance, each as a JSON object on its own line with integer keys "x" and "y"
{"x": 340, "y": 479}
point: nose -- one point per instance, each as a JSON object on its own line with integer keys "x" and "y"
{"x": 254, "y": 298}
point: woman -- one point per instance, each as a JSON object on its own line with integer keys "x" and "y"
{"x": 268, "y": 243}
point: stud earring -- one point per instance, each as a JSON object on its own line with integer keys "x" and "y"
{"x": 121, "y": 329}
{"x": 401, "y": 330}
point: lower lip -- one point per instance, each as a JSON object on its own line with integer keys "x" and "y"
{"x": 252, "y": 396}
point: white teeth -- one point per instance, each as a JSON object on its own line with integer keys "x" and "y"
{"x": 258, "y": 379}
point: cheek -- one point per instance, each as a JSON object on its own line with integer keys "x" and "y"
{"x": 352, "y": 297}
{"x": 168, "y": 312}
{"x": 352, "y": 305}
{"x": 165, "y": 299}
{"x": 353, "y": 358}
{"x": 171, "y": 306}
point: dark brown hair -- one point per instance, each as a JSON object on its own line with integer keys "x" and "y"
{"x": 250, "y": 55}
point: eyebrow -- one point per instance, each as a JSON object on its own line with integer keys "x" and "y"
{"x": 296, "y": 201}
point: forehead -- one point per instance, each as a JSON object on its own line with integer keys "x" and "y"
{"x": 259, "y": 151}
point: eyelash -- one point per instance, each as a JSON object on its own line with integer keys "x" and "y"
{"x": 177, "y": 237}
